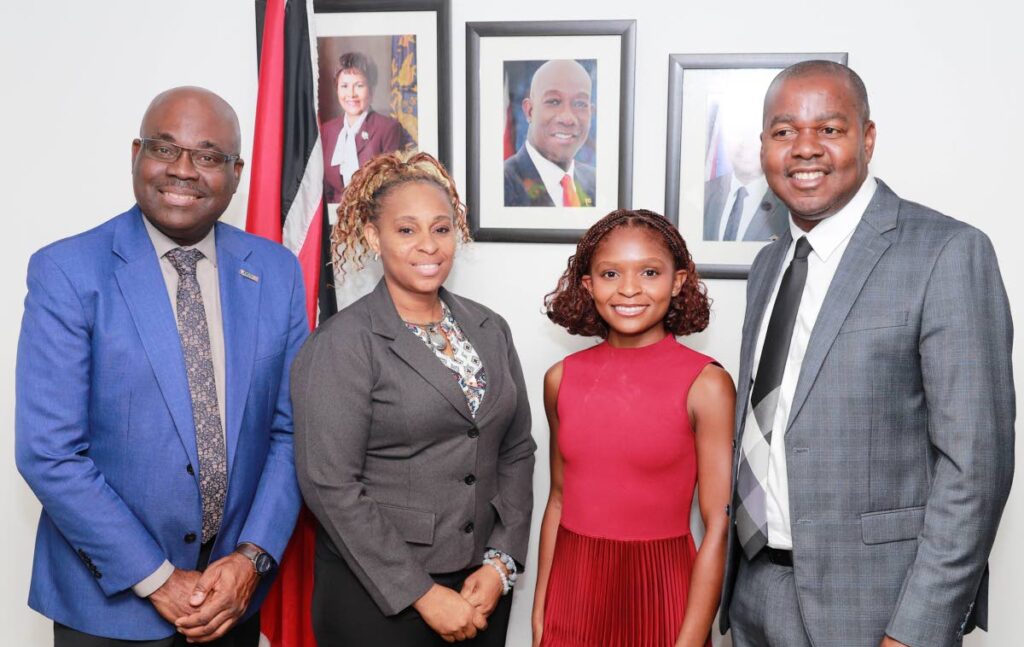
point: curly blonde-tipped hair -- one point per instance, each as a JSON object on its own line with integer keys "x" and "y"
{"x": 361, "y": 202}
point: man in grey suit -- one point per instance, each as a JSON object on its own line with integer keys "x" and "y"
{"x": 726, "y": 195}
{"x": 738, "y": 205}
{"x": 876, "y": 407}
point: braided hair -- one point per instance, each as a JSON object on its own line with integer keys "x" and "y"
{"x": 361, "y": 202}
{"x": 571, "y": 306}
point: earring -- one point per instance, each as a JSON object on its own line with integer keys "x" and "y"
{"x": 376, "y": 256}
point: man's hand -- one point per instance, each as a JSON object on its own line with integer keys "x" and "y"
{"x": 449, "y": 615}
{"x": 483, "y": 589}
{"x": 890, "y": 642}
{"x": 171, "y": 599}
{"x": 219, "y": 598}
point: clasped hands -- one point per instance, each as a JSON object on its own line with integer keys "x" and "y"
{"x": 204, "y": 606}
{"x": 460, "y": 616}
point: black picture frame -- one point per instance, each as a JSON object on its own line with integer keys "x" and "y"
{"x": 442, "y": 9}
{"x": 476, "y": 32}
{"x": 677, "y": 141}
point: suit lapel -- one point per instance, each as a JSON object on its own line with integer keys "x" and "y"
{"x": 365, "y": 129}
{"x": 531, "y": 180}
{"x": 771, "y": 219}
{"x": 486, "y": 340}
{"x": 411, "y": 350}
{"x": 862, "y": 254}
{"x": 762, "y": 283}
{"x": 240, "y": 302}
{"x": 145, "y": 293}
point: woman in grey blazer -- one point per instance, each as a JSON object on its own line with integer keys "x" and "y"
{"x": 412, "y": 431}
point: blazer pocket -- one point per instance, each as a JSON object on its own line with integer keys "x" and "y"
{"x": 892, "y": 525}
{"x": 415, "y": 526}
{"x": 882, "y": 320}
{"x": 266, "y": 349}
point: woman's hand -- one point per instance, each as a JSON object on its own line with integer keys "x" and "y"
{"x": 449, "y": 614}
{"x": 483, "y": 589}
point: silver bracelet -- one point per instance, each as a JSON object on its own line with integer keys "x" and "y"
{"x": 505, "y": 586}
{"x": 510, "y": 564}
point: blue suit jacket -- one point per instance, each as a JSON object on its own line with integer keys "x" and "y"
{"x": 103, "y": 421}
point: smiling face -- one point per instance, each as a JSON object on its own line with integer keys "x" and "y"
{"x": 179, "y": 199}
{"x": 354, "y": 93}
{"x": 559, "y": 110}
{"x": 414, "y": 233}
{"x": 815, "y": 147}
{"x": 632, "y": 280}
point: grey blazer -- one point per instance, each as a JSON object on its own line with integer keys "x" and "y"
{"x": 899, "y": 445}
{"x": 770, "y": 219}
{"x": 400, "y": 476}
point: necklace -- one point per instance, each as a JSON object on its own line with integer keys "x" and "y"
{"x": 436, "y": 338}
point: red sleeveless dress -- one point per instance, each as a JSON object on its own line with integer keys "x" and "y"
{"x": 623, "y": 556}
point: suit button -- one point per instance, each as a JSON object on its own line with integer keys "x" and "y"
{"x": 470, "y": 480}
{"x": 190, "y": 537}
{"x": 468, "y": 528}
{"x": 189, "y": 469}
{"x": 473, "y": 433}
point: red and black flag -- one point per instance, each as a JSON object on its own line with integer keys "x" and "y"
{"x": 286, "y": 205}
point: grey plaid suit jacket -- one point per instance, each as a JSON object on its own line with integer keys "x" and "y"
{"x": 899, "y": 445}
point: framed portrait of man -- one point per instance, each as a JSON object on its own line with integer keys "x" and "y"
{"x": 715, "y": 190}
{"x": 383, "y": 84}
{"x": 550, "y": 109}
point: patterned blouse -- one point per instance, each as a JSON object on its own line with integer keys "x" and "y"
{"x": 464, "y": 362}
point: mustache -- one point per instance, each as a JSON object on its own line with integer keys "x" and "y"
{"x": 182, "y": 186}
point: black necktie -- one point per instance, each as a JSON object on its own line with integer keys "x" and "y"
{"x": 752, "y": 472}
{"x": 732, "y": 225}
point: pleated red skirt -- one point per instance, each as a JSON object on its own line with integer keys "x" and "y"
{"x": 612, "y": 593}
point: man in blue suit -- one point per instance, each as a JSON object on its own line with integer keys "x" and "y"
{"x": 153, "y": 419}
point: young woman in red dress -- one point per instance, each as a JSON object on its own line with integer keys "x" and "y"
{"x": 636, "y": 423}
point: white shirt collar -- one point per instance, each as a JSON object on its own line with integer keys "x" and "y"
{"x": 827, "y": 235}
{"x": 550, "y": 172}
{"x": 757, "y": 188}
{"x": 354, "y": 128}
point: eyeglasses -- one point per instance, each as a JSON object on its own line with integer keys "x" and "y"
{"x": 164, "y": 151}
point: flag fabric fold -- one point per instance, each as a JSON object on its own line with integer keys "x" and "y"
{"x": 286, "y": 205}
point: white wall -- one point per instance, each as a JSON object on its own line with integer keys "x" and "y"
{"x": 946, "y": 94}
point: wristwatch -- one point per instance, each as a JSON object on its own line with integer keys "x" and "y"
{"x": 261, "y": 560}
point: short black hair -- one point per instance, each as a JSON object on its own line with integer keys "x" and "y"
{"x": 809, "y": 68}
{"x": 360, "y": 63}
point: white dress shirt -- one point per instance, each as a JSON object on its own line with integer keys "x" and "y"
{"x": 551, "y": 174}
{"x": 755, "y": 191}
{"x": 345, "y": 155}
{"x": 828, "y": 240}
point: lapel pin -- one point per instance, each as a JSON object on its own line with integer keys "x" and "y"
{"x": 249, "y": 275}
{"x": 773, "y": 238}
{"x": 365, "y": 135}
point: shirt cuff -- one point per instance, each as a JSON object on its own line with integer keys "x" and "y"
{"x": 148, "y": 586}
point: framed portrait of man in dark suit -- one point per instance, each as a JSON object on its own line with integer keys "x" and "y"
{"x": 715, "y": 190}
{"x": 550, "y": 108}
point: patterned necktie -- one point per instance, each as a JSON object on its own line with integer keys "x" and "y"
{"x": 195, "y": 342}
{"x": 569, "y": 196}
{"x": 732, "y": 225}
{"x": 752, "y": 473}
